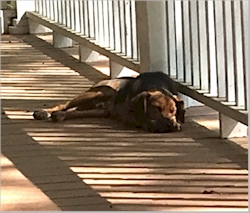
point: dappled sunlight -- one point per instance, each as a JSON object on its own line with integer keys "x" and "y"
{"x": 19, "y": 115}
{"x": 147, "y": 171}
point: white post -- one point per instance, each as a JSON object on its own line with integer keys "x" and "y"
{"x": 118, "y": 70}
{"x": 152, "y": 35}
{"x": 61, "y": 41}
{"x": 87, "y": 55}
{"x": 151, "y": 31}
{"x": 230, "y": 128}
{"x": 35, "y": 28}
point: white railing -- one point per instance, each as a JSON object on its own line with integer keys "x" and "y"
{"x": 110, "y": 24}
{"x": 208, "y": 47}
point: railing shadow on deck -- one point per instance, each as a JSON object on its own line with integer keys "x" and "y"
{"x": 100, "y": 162}
{"x": 64, "y": 58}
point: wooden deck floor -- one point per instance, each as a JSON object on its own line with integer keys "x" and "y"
{"x": 97, "y": 164}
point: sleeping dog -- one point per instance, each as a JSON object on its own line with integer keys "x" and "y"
{"x": 148, "y": 101}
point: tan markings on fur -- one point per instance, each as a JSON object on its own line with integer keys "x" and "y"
{"x": 166, "y": 104}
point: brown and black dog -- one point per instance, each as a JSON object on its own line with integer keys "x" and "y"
{"x": 148, "y": 101}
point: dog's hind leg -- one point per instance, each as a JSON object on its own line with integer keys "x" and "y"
{"x": 74, "y": 114}
{"x": 86, "y": 101}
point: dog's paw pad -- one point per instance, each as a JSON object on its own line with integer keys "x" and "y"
{"x": 40, "y": 115}
{"x": 58, "y": 116}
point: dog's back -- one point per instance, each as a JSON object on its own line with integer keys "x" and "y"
{"x": 145, "y": 82}
{"x": 152, "y": 81}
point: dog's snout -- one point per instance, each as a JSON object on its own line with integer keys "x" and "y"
{"x": 162, "y": 125}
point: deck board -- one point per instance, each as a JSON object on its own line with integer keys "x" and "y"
{"x": 98, "y": 164}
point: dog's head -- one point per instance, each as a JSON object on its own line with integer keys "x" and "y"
{"x": 159, "y": 110}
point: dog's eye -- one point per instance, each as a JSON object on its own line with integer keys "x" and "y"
{"x": 171, "y": 110}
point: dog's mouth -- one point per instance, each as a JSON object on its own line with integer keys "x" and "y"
{"x": 163, "y": 125}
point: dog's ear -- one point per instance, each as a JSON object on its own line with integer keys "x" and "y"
{"x": 139, "y": 99}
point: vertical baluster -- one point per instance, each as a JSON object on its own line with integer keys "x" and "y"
{"x": 237, "y": 39}
{"x": 134, "y": 43}
{"x": 195, "y": 45}
{"x": 63, "y": 12}
{"x": 220, "y": 49}
{"x": 56, "y": 9}
{"x": 48, "y": 9}
{"x": 111, "y": 25}
{"x": 77, "y": 16}
{"x": 68, "y": 14}
{"x": 40, "y": 7}
{"x": 44, "y": 9}
{"x": 59, "y": 6}
{"x": 100, "y": 23}
{"x": 122, "y": 26}
{"x": 171, "y": 38}
{"x": 105, "y": 24}
{"x": 91, "y": 19}
{"x": 212, "y": 50}
{"x": 128, "y": 33}
{"x": 116, "y": 26}
{"x": 52, "y": 10}
{"x": 36, "y": 5}
{"x": 86, "y": 18}
{"x": 81, "y": 16}
{"x": 179, "y": 40}
{"x": 203, "y": 48}
{"x": 72, "y": 14}
{"x": 187, "y": 44}
{"x": 244, "y": 11}
{"x": 229, "y": 66}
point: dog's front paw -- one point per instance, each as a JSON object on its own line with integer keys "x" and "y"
{"x": 40, "y": 115}
{"x": 177, "y": 127}
{"x": 58, "y": 116}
